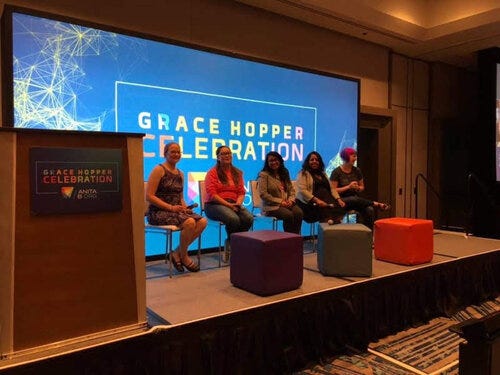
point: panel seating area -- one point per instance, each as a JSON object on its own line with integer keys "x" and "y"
{"x": 342, "y": 250}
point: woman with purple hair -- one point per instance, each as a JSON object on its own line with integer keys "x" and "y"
{"x": 347, "y": 179}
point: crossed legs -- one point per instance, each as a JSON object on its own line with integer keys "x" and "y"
{"x": 191, "y": 230}
{"x": 365, "y": 207}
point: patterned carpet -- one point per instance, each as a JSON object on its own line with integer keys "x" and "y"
{"x": 428, "y": 349}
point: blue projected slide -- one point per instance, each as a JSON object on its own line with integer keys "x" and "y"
{"x": 67, "y": 76}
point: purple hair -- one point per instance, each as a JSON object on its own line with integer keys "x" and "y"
{"x": 346, "y": 153}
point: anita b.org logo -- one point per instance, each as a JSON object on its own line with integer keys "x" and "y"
{"x": 67, "y": 191}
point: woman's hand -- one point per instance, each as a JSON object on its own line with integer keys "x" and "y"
{"x": 321, "y": 203}
{"x": 341, "y": 202}
{"x": 177, "y": 208}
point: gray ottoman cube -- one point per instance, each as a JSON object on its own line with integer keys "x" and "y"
{"x": 344, "y": 250}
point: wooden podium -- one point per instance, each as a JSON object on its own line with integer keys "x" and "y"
{"x": 480, "y": 353}
{"x": 65, "y": 277}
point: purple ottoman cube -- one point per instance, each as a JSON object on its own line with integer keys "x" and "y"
{"x": 266, "y": 262}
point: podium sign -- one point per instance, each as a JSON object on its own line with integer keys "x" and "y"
{"x": 75, "y": 180}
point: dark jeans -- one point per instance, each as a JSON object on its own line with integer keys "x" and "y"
{"x": 313, "y": 213}
{"x": 292, "y": 218}
{"x": 240, "y": 221}
{"x": 363, "y": 206}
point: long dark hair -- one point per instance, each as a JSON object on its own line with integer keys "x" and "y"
{"x": 235, "y": 172}
{"x": 283, "y": 173}
{"x": 305, "y": 164}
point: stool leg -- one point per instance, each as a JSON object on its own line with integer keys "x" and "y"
{"x": 311, "y": 235}
{"x": 220, "y": 240}
{"x": 168, "y": 236}
{"x": 199, "y": 250}
{"x": 313, "y": 227}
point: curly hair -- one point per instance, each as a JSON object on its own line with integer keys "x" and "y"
{"x": 283, "y": 173}
{"x": 305, "y": 164}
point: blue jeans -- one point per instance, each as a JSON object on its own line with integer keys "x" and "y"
{"x": 240, "y": 221}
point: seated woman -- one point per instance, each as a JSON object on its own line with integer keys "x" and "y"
{"x": 348, "y": 181}
{"x": 167, "y": 207}
{"x": 315, "y": 196}
{"x": 277, "y": 193}
{"x": 225, "y": 194}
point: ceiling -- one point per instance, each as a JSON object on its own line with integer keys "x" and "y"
{"x": 450, "y": 31}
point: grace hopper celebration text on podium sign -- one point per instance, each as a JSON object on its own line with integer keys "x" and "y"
{"x": 65, "y": 180}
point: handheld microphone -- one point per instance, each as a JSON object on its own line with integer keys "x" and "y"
{"x": 191, "y": 206}
{"x": 328, "y": 205}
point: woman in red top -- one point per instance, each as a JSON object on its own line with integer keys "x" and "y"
{"x": 225, "y": 194}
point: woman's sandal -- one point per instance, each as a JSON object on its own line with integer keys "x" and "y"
{"x": 192, "y": 267}
{"x": 176, "y": 263}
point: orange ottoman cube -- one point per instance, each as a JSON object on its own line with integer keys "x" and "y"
{"x": 404, "y": 240}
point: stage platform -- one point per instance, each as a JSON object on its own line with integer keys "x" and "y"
{"x": 189, "y": 297}
{"x": 202, "y": 324}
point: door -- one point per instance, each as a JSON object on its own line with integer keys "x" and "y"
{"x": 376, "y": 159}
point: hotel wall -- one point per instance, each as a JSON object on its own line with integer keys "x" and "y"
{"x": 387, "y": 81}
{"x": 409, "y": 92}
{"x": 454, "y": 103}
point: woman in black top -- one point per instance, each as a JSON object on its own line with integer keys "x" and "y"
{"x": 348, "y": 181}
{"x": 314, "y": 194}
